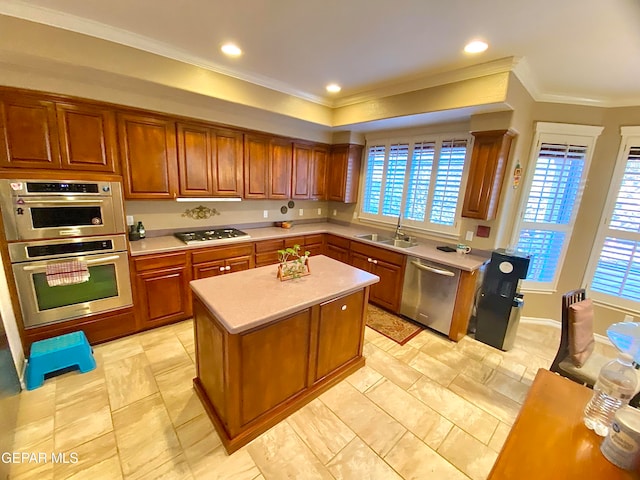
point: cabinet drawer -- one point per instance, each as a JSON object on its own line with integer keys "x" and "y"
{"x": 221, "y": 253}
{"x": 269, "y": 246}
{"x": 152, "y": 262}
{"x": 316, "y": 238}
{"x": 338, "y": 241}
{"x": 378, "y": 253}
{"x": 291, "y": 241}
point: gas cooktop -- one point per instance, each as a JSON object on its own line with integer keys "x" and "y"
{"x": 211, "y": 236}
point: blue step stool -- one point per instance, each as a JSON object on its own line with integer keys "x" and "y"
{"x": 56, "y": 353}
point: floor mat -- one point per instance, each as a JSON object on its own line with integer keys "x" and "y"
{"x": 391, "y": 326}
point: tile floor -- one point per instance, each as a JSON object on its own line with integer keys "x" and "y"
{"x": 429, "y": 409}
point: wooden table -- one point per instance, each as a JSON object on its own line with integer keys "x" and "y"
{"x": 549, "y": 440}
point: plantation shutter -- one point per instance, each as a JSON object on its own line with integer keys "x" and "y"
{"x": 394, "y": 181}
{"x": 419, "y": 180}
{"x": 551, "y": 206}
{"x": 448, "y": 181}
{"x": 618, "y": 267}
{"x": 373, "y": 179}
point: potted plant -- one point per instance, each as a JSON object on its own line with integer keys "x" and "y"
{"x": 293, "y": 264}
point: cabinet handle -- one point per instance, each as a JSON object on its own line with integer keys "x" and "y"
{"x": 222, "y": 269}
{"x": 227, "y": 268}
{"x": 375, "y": 262}
{"x": 343, "y": 308}
{"x": 369, "y": 260}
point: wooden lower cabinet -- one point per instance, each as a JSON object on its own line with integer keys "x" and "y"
{"x": 250, "y": 381}
{"x": 161, "y": 289}
{"x": 267, "y": 250}
{"x": 337, "y": 248}
{"x": 389, "y": 266}
{"x": 220, "y": 260}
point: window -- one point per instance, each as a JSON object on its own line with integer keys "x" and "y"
{"x": 556, "y": 177}
{"x": 614, "y": 269}
{"x": 422, "y": 178}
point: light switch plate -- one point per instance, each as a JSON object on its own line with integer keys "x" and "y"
{"x": 319, "y": 211}
{"x": 469, "y": 236}
{"x": 335, "y": 212}
{"x": 130, "y": 220}
{"x": 301, "y": 212}
{"x": 265, "y": 214}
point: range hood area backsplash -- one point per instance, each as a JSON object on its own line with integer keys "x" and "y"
{"x": 169, "y": 215}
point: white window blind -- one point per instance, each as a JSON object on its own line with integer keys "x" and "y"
{"x": 421, "y": 178}
{"x": 615, "y": 266}
{"x": 553, "y": 186}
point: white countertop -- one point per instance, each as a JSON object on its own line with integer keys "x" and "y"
{"x": 426, "y": 249}
{"x": 250, "y": 298}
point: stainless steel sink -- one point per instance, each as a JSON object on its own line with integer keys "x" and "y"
{"x": 374, "y": 237}
{"x": 398, "y": 242}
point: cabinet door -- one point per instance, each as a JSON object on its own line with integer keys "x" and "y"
{"x": 339, "y": 333}
{"x": 319, "y": 159}
{"x": 301, "y": 176}
{"x": 148, "y": 149}
{"x": 337, "y": 253}
{"x": 361, "y": 261}
{"x": 344, "y": 173}
{"x": 486, "y": 173}
{"x": 226, "y": 150}
{"x": 87, "y": 137}
{"x": 208, "y": 269}
{"x": 194, "y": 160}
{"x": 280, "y": 168}
{"x": 28, "y": 133}
{"x": 388, "y": 291}
{"x": 164, "y": 296}
{"x": 256, "y": 166}
{"x": 238, "y": 264}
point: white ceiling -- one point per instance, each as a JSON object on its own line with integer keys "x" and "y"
{"x": 573, "y": 51}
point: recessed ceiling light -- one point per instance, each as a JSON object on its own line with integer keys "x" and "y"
{"x": 231, "y": 49}
{"x": 333, "y": 88}
{"x": 476, "y": 46}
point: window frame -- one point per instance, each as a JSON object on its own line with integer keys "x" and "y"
{"x": 421, "y": 226}
{"x": 554, "y": 133}
{"x": 630, "y": 138}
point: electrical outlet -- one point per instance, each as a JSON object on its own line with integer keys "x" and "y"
{"x": 335, "y": 212}
{"x": 628, "y": 318}
{"x": 130, "y": 220}
{"x": 319, "y": 211}
{"x": 469, "y": 236}
{"x": 300, "y": 212}
{"x": 265, "y": 214}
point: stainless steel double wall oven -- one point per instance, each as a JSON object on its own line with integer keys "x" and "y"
{"x": 52, "y": 221}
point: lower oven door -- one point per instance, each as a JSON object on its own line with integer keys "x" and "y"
{"x": 108, "y": 288}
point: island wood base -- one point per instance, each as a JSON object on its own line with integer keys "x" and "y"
{"x": 250, "y": 381}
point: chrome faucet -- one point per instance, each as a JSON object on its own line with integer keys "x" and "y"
{"x": 399, "y": 234}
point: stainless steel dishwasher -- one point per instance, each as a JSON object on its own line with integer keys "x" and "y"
{"x": 429, "y": 293}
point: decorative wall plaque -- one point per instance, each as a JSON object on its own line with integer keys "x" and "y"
{"x": 200, "y": 212}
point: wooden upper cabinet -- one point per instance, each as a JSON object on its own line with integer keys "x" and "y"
{"x": 344, "y": 173}
{"x": 309, "y": 177}
{"x": 149, "y": 160}
{"x": 319, "y": 162}
{"x": 226, "y": 151}
{"x": 280, "y": 168}
{"x": 301, "y": 175}
{"x": 87, "y": 137}
{"x": 28, "y": 133}
{"x": 209, "y": 161}
{"x": 267, "y": 167}
{"x": 486, "y": 173}
{"x": 256, "y": 166}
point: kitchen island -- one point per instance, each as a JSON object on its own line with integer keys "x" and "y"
{"x": 265, "y": 348}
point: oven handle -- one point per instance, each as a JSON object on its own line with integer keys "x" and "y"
{"x": 30, "y": 268}
{"x": 61, "y": 201}
{"x": 439, "y": 271}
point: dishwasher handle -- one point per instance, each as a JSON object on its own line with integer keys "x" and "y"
{"x": 427, "y": 268}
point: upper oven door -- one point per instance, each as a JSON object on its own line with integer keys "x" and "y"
{"x": 59, "y": 216}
